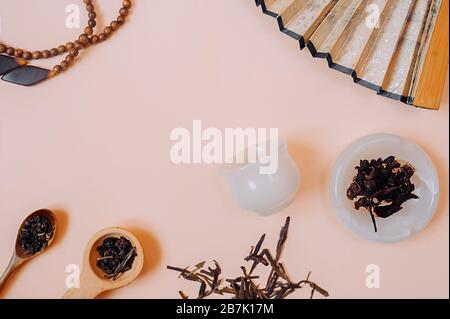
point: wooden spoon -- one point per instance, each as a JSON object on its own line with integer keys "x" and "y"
{"x": 19, "y": 256}
{"x": 92, "y": 279}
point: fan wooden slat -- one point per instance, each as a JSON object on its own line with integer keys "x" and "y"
{"x": 397, "y": 82}
{"x": 275, "y": 7}
{"x": 434, "y": 73}
{"x": 373, "y": 64}
{"x": 332, "y": 27}
{"x": 303, "y": 17}
{"x": 286, "y": 17}
{"x": 349, "y": 49}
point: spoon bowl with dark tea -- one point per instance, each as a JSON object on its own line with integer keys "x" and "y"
{"x": 113, "y": 259}
{"x": 35, "y": 235}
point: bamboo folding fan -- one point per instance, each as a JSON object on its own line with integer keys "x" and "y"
{"x": 398, "y": 48}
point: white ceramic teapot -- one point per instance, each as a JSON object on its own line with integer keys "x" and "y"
{"x": 261, "y": 192}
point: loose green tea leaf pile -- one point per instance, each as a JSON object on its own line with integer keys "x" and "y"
{"x": 382, "y": 187}
{"x": 116, "y": 256}
{"x": 278, "y": 284}
{"x": 35, "y": 234}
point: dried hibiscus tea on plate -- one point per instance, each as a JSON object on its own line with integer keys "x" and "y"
{"x": 116, "y": 256}
{"x": 382, "y": 187}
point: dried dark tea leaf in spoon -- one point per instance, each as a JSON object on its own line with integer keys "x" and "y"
{"x": 35, "y": 234}
{"x": 382, "y": 187}
{"x": 116, "y": 256}
{"x": 246, "y": 286}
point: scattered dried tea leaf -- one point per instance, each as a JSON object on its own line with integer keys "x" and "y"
{"x": 278, "y": 286}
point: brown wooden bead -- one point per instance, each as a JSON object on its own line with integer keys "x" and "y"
{"x": 94, "y": 39}
{"x": 46, "y": 54}
{"x": 114, "y": 25}
{"x": 89, "y": 7}
{"x": 18, "y": 53}
{"x": 120, "y": 20}
{"x": 107, "y": 31}
{"x": 62, "y": 49}
{"x": 69, "y": 59}
{"x": 64, "y": 65}
{"x": 92, "y": 23}
{"x": 92, "y": 15}
{"x": 73, "y": 53}
{"x": 126, "y": 4}
{"x": 101, "y": 37}
{"x": 54, "y": 52}
{"x": 88, "y": 31}
{"x": 37, "y": 55}
{"x": 78, "y": 45}
{"x": 2, "y": 48}
{"x": 27, "y": 55}
{"x": 83, "y": 38}
{"x": 123, "y": 12}
{"x": 70, "y": 45}
{"x": 57, "y": 69}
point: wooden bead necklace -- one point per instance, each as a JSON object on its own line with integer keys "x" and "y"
{"x": 14, "y": 66}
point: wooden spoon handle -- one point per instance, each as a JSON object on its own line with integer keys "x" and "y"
{"x": 14, "y": 263}
{"x": 80, "y": 293}
{"x": 89, "y": 288}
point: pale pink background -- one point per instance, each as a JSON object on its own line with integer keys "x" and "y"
{"x": 93, "y": 145}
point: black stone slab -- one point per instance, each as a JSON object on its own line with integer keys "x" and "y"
{"x": 26, "y": 75}
{"x": 7, "y": 64}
